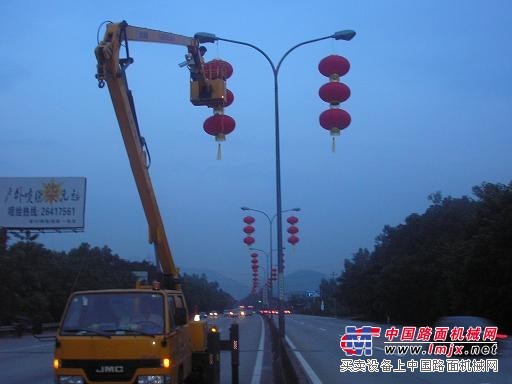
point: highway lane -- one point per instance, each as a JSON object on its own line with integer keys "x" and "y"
{"x": 27, "y": 360}
{"x": 250, "y": 328}
{"x": 317, "y": 340}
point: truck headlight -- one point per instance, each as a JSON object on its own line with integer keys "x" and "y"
{"x": 70, "y": 380}
{"x": 153, "y": 379}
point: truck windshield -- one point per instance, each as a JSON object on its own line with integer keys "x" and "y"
{"x": 114, "y": 314}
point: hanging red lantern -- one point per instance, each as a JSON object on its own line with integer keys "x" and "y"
{"x": 293, "y": 239}
{"x": 249, "y": 240}
{"x": 334, "y": 92}
{"x": 292, "y": 220}
{"x": 254, "y": 261}
{"x": 254, "y": 255}
{"x": 292, "y": 230}
{"x": 249, "y": 229}
{"x": 334, "y": 65}
{"x": 218, "y": 69}
{"x": 230, "y": 98}
{"x": 334, "y": 120}
{"x": 219, "y": 125}
{"x": 248, "y": 220}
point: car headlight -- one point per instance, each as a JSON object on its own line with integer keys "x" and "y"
{"x": 154, "y": 379}
{"x": 70, "y": 380}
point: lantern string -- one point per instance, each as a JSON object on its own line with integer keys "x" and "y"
{"x": 333, "y": 144}
{"x": 219, "y": 153}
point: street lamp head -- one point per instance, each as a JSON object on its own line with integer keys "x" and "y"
{"x": 295, "y": 209}
{"x": 245, "y": 208}
{"x": 205, "y": 37}
{"x": 346, "y": 35}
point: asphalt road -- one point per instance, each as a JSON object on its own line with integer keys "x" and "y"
{"x": 255, "y": 362}
{"x": 28, "y": 360}
{"x": 316, "y": 342}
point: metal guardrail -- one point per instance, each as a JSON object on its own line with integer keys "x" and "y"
{"x": 20, "y": 329}
{"x": 285, "y": 368}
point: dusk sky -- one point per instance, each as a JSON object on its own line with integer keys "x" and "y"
{"x": 431, "y": 109}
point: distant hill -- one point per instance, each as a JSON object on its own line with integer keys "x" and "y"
{"x": 227, "y": 284}
{"x": 303, "y": 280}
{"x": 295, "y": 282}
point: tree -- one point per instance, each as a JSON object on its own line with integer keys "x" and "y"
{"x": 202, "y": 295}
{"x": 452, "y": 259}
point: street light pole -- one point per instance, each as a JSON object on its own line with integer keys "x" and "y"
{"x": 346, "y": 35}
{"x": 270, "y": 221}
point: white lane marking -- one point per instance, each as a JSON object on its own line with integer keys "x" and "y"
{"x": 322, "y": 329}
{"x": 307, "y": 368}
{"x": 258, "y": 366}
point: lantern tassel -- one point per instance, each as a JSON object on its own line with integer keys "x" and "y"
{"x": 333, "y": 144}
{"x": 219, "y": 152}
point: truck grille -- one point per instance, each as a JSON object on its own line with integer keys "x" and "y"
{"x": 110, "y": 370}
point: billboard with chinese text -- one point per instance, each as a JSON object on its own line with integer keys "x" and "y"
{"x": 42, "y": 202}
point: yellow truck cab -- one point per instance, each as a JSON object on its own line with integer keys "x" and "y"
{"x": 140, "y": 336}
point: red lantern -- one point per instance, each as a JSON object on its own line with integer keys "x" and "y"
{"x": 292, "y": 230}
{"x": 254, "y": 255}
{"x": 292, "y": 220}
{"x": 218, "y": 69}
{"x": 254, "y": 261}
{"x": 334, "y": 65}
{"x": 219, "y": 125}
{"x": 248, "y": 220}
{"x": 334, "y": 93}
{"x": 249, "y": 240}
{"x": 293, "y": 239}
{"x": 334, "y": 120}
{"x": 230, "y": 98}
{"x": 249, "y": 229}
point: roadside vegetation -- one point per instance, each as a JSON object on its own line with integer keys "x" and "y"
{"x": 36, "y": 281}
{"x": 454, "y": 259}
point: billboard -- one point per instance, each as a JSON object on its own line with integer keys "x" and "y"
{"x": 42, "y": 202}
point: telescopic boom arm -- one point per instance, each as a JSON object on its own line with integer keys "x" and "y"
{"x": 111, "y": 69}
